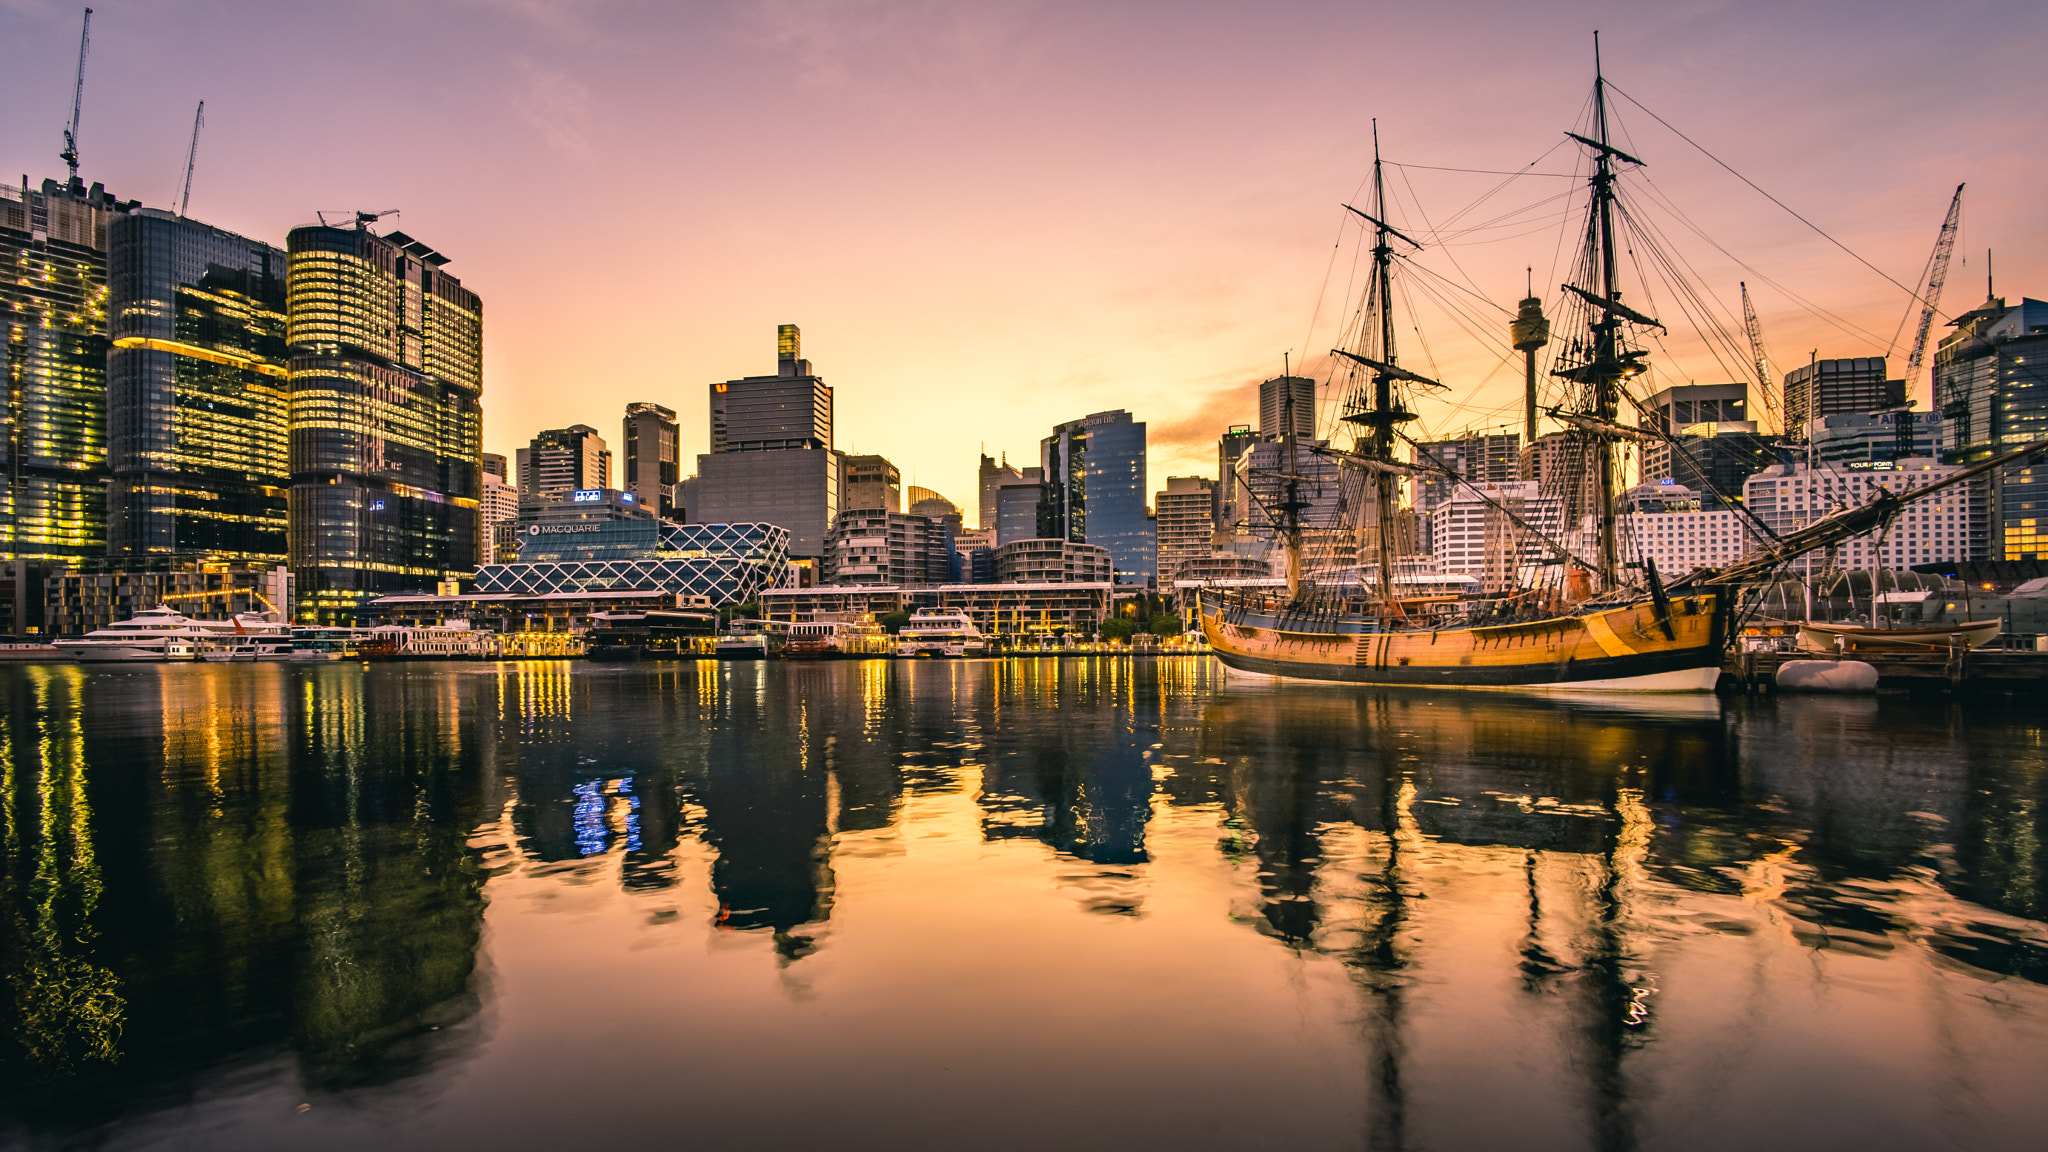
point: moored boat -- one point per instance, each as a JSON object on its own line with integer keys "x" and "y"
{"x": 162, "y": 633}
{"x": 1815, "y": 636}
{"x": 940, "y": 632}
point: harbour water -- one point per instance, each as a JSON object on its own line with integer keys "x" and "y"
{"x": 1086, "y": 904}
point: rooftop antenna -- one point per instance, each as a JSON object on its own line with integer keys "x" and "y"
{"x": 70, "y": 153}
{"x": 191, "y": 157}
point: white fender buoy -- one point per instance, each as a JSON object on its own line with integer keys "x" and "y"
{"x": 1826, "y": 676}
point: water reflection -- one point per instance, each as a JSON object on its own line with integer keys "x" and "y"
{"x": 1581, "y": 905}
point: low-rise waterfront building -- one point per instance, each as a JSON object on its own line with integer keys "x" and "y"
{"x": 724, "y": 563}
{"x": 1044, "y": 561}
{"x": 80, "y": 600}
{"x": 873, "y": 546}
{"x": 997, "y": 609}
{"x": 519, "y": 615}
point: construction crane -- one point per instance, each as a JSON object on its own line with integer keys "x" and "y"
{"x": 192, "y": 157}
{"x": 362, "y": 219}
{"x": 1937, "y": 275}
{"x": 1768, "y": 394}
{"x": 70, "y": 153}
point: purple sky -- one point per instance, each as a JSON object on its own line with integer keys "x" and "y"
{"x": 989, "y": 218}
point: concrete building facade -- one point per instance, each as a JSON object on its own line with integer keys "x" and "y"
{"x": 1185, "y": 512}
{"x": 771, "y": 457}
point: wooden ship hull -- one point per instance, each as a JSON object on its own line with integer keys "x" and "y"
{"x": 1623, "y": 649}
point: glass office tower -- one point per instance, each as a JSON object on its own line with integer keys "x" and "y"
{"x": 1991, "y": 388}
{"x": 1094, "y": 491}
{"x": 386, "y": 417}
{"x": 197, "y": 391}
{"x": 53, "y": 301}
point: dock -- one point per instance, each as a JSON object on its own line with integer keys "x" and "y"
{"x": 1993, "y": 669}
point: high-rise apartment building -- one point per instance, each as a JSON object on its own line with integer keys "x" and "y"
{"x": 771, "y": 458}
{"x": 1481, "y": 458}
{"x": 1858, "y": 439}
{"x": 1094, "y": 491}
{"x": 789, "y": 410}
{"x": 993, "y": 476}
{"x": 386, "y": 417}
{"x": 1262, "y": 486}
{"x": 654, "y": 460}
{"x": 1185, "y": 515}
{"x": 1713, "y": 461}
{"x": 1286, "y": 400}
{"x": 1233, "y": 506}
{"x": 869, "y": 483}
{"x": 1991, "y": 387}
{"x": 198, "y": 392}
{"x": 1826, "y": 387}
{"x": 1017, "y": 499}
{"x": 53, "y": 301}
{"x": 564, "y": 460}
{"x": 1682, "y": 406}
{"x": 498, "y": 516}
{"x": 1565, "y": 470}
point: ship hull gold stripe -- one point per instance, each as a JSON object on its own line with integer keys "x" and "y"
{"x": 1604, "y": 636}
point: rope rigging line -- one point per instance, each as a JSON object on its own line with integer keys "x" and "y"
{"x": 1912, "y": 293}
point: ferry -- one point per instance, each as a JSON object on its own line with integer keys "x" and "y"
{"x": 751, "y": 640}
{"x": 162, "y": 633}
{"x": 835, "y": 639}
{"x": 453, "y": 641}
{"x": 940, "y": 632}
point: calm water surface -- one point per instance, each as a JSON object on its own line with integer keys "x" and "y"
{"x": 1028, "y": 904}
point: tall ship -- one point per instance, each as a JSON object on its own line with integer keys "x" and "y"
{"x": 1571, "y": 612}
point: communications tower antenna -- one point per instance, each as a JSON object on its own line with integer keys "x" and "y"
{"x": 1766, "y": 393}
{"x": 192, "y": 157}
{"x": 1937, "y": 275}
{"x": 70, "y": 153}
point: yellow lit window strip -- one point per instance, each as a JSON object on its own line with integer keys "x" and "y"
{"x": 177, "y": 348}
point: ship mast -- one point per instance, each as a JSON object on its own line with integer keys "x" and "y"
{"x": 1376, "y": 441}
{"x": 1606, "y": 398}
{"x": 1610, "y": 363}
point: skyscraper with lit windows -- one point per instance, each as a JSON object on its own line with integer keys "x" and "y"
{"x": 386, "y": 417}
{"x": 53, "y": 307}
{"x": 197, "y": 392}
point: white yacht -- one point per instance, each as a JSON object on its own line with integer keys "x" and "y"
{"x": 940, "y": 632}
{"x": 162, "y": 633}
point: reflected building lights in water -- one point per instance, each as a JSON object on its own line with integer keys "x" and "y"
{"x": 311, "y": 843}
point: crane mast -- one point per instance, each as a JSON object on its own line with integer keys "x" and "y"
{"x": 192, "y": 157}
{"x": 1756, "y": 351}
{"x": 1937, "y": 275}
{"x": 70, "y": 153}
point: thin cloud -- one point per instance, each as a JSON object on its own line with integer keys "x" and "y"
{"x": 556, "y": 105}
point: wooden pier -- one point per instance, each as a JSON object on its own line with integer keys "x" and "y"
{"x": 1995, "y": 669}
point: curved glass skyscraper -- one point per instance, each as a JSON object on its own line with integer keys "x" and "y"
{"x": 197, "y": 390}
{"x": 386, "y": 417}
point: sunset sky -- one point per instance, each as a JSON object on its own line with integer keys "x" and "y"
{"x": 992, "y": 217}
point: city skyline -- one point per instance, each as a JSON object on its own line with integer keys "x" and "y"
{"x": 1016, "y": 217}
